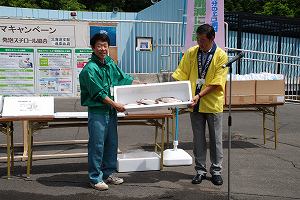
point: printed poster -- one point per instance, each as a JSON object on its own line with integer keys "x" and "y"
{"x": 16, "y": 71}
{"x": 54, "y": 72}
{"x": 82, "y": 56}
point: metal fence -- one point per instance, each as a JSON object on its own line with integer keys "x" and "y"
{"x": 279, "y": 30}
{"x": 166, "y": 43}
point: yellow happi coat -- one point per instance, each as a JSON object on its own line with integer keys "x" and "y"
{"x": 216, "y": 75}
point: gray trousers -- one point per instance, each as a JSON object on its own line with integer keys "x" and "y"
{"x": 214, "y": 121}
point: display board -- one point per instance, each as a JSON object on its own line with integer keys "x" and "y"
{"x": 44, "y": 58}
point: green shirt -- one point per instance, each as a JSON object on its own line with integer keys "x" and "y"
{"x": 96, "y": 79}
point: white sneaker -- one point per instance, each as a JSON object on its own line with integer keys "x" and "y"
{"x": 100, "y": 186}
{"x": 113, "y": 179}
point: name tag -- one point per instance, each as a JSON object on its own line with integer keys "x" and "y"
{"x": 200, "y": 81}
{"x": 111, "y": 91}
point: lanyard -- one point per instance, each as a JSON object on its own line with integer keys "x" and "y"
{"x": 203, "y": 68}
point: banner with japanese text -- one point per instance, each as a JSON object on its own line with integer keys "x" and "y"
{"x": 37, "y": 35}
{"x": 215, "y": 17}
{"x": 205, "y": 11}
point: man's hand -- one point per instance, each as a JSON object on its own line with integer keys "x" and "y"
{"x": 119, "y": 107}
{"x": 136, "y": 82}
{"x": 195, "y": 100}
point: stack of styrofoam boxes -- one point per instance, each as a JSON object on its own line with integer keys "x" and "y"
{"x": 130, "y": 94}
{"x": 247, "y": 90}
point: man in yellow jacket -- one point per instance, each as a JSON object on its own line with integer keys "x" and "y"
{"x": 203, "y": 66}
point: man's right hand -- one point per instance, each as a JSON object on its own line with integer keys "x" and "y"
{"x": 119, "y": 107}
{"x": 195, "y": 100}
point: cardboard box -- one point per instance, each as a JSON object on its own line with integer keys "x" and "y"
{"x": 242, "y": 92}
{"x": 138, "y": 161}
{"x": 270, "y": 92}
{"x": 130, "y": 94}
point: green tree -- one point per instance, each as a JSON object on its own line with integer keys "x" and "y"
{"x": 19, "y": 3}
{"x": 288, "y": 8}
{"x": 68, "y": 5}
{"x": 250, "y": 6}
{"x": 89, "y": 5}
{"x": 136, "y": 5}
{"x": 46, "y": 4}
{"x": 277, "y": 8}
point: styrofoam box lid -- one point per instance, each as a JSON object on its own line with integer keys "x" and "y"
{"x": 138, "y": 155}
{"x": 129, "y": 94}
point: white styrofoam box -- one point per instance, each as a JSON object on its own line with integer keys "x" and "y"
{"x": 1, "y": 104}
{"x": 138, "y": 161}
{"x": 130, "y": 94}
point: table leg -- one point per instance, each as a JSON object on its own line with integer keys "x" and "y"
{"x": 29, "y": 144}
{"x": 162, "y": 143}
{"x": 155, "y": 139}
{"x": 25, "y": 138}
{"x": 264, "y": 127}
{"x": 275, "y": 126}
{"x": 173, "y": 125}
{"x": 168, "y": 138}
{"x": 12, "y": 155}
{"x": 8, "y": 141}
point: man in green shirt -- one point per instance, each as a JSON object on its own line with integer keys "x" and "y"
{"x": 97, "y": 79}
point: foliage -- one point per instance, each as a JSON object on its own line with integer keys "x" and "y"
{"x": 288, "y": 8}
{"x": 278, "y": 9}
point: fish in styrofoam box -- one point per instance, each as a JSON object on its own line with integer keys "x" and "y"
{"x": 168, "y": 100}
{"x": 146, "y": 101}
{"x": 154, "y": 95}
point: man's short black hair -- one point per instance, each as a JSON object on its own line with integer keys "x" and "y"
{"x": 99, "y": 37}
{"x": 206, "y": 29}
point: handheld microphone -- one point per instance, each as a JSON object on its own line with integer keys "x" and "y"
{"x": 234, "y": 59}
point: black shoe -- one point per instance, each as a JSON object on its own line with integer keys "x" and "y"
{"x": 217, "y": 179}
{"x": 198, "y": 178}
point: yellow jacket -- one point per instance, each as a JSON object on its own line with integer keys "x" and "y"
{"x": 216, "y": 75}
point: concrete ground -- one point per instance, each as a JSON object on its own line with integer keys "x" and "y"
{"x": 258, "y": 171}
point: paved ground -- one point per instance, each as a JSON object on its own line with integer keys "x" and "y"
{"x": 257, "y": 171}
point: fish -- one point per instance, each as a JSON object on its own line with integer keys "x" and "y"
{"x": 168, "y": 100}
{"x": 146, "y": 101}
